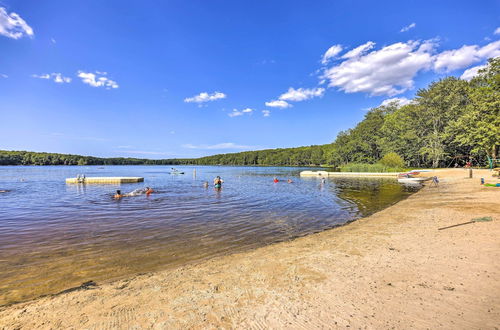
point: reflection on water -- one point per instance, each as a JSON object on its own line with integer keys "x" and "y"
{"x": 54, "y": 236}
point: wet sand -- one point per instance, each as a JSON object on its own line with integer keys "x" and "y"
{"x": 392, "y": 269}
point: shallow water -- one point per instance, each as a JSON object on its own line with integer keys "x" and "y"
{"x": 54, "y": 236}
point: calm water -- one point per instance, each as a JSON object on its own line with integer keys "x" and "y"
{"x": 54, "y": 236}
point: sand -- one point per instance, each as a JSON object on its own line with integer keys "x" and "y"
{"x": 393, "y": 269}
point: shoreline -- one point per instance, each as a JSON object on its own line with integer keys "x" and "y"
{"x": 392, "y": 268}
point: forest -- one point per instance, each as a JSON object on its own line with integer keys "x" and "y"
{"x": 447, "y": 122}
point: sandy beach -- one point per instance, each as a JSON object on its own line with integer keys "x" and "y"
{"x": 393, "y": 269}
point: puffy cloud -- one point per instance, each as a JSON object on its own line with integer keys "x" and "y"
{"x": 359, "y": 50}
{"x": 56, "y": 77}
{"x": 497, "y": 30}
{"x": 331, "y": 53}
{"x": 278, "y": 104}
{"x": 97, "y": 79}
{"x": 301, "y": 94}
{"x": 266, "y": 113}
{"x": 205, "y": 97}
{"x": 455, "y": 59}
{"x": 408, "y": 27}
{"x": 399, "y": 100}
{"x": 472, "y": 72}
{"x": 225, "y": 145}
{"x": 236, "y": 112}
{"x": 13, "y": 26}
{"x": 388, "y": 71}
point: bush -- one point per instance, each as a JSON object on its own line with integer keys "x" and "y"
{"x": 392, "y": 159}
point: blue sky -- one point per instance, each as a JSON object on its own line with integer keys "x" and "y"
{"x": 191, "y": 78}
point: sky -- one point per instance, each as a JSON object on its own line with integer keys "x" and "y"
{"x": 189, "y": 78}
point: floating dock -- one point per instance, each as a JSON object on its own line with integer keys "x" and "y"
{"x": 111, "y": 180}
{"x": 354, "y": 174}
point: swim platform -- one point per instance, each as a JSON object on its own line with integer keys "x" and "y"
{"x": 111, "y": 180}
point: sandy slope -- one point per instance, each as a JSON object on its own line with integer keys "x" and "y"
{"x": 393, "y": 269}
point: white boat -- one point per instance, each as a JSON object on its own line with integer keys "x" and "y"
{"x": 412, "y": 180}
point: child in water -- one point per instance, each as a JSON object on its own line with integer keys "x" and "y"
{"x": 218, "y": 182}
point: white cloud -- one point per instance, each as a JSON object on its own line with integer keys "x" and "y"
{"x": 400, "y": 100}
{"x": 97, "y": 79}
{"x": 3, "y": 75}
{"x": 455, "y": 59}
{"x": 359, "y": 50}
{"x": 472, "y": 72}
{"x": 225, "y": 145}
{"x": 266, "y": 113}
{"x": 497, "y": 30}
{"x": 388, "y": 71}
{"x": 205, "y": 97}
{"x": 331, "y": 53}
{"x": 53, "y": 40}
{"x": 278, "y": 104}
{"x": 56, "y": 77}
{"x": 301, "y": 94}
{"x": 13, "y": 26}
{"x": 41, "y": 76}
{"x": 408, "y": 27}
{"x": 236, "y": 112}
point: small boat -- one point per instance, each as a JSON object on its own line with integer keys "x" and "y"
{"x": 175, "y": 171}
{"x": 409, "y": 178}
{"x": 412, "y": 180}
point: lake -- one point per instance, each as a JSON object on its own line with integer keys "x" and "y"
{"x": 54, "y": 236}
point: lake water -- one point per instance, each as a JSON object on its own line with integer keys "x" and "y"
{"x": 54, "y": 236}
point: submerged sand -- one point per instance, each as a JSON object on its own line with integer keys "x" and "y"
{"x": 392, "y": 269}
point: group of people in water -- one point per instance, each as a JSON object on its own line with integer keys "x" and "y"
{"x": 217, "y": 185}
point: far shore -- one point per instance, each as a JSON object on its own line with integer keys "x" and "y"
{"x": 394, "y": 269}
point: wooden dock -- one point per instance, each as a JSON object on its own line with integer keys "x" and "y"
{"x": 350, "y": 174}
{"x": 105, "y": 180}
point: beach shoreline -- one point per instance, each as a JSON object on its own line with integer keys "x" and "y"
{"x": 393, "y": 268}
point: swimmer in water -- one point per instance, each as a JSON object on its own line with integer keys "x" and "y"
{"x": 276, "y": 180}
{"x": 323, "y": 180}
{"x": 149, "y": 191}
{"x": 218, "y": 182}
{"x": 118, "y": 194}
{"x": 205, "y": 184}
{"x": 289, "y": 181}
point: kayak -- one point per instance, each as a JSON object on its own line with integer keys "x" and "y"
{"x": 412, "y": 180}
{"x": 176, "y": 172}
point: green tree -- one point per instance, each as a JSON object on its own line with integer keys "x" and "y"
{"x": 479, "y": 125}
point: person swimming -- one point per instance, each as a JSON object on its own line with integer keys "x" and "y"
{"x": 289, "y": 181}
{"x": 218, "y": 182}
{"x": 276, "y": 180}
{"x": 205, "y": 184}
{"x": 136, "y": 192}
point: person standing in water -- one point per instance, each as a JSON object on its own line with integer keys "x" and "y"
{"x": 218, "y": 182}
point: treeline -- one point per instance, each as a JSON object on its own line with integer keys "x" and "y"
{"x": 44, "y": 158}
{"x": 449, "y": 118}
